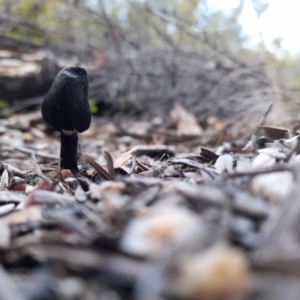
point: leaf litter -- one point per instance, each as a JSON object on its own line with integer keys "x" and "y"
{"x": 156, "y": 214}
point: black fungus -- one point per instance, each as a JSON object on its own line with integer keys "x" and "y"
{"x": 66, "y": 108}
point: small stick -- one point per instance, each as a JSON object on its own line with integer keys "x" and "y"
{"x": 264, "y": 117}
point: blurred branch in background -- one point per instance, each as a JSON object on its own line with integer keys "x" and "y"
{"x": 143, "y": 56}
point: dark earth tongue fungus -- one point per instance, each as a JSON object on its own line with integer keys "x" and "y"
{"x": 66, "y": 108}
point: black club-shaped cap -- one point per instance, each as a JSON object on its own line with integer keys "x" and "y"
{"x": 66, "y": 105}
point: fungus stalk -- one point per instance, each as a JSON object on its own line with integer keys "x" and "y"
{"x": 68, "y": 149}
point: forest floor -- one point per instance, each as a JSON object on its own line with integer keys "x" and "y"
{"x": 156, "y": 211}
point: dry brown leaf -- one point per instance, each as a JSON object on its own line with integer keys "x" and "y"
{"x": 208, "y": 153}
{"x": 67, "y": 174}
{"x": 17, "y": 184}
{"x": 58, "y": 173}
{"x": 109, "y": 164}
{"x": 104, "y": 175}
{"x": 122, "y": 158}
{"x": 275, "y": 133}
{"x": 186, "y": 123}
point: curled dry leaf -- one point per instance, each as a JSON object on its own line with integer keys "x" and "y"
{"x": 109, "y": 163}
{"x": 104, "y": 175}
{"x": 208, "y": 154}
{"x": 122, "y": 158}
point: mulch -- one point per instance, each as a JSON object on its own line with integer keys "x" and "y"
{"x": 152, "y": 213}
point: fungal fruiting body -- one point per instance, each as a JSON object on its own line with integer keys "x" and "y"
{"x": 66, "y": 109}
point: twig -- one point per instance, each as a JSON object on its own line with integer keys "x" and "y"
{"x": 252, "y": 173}
{"x": 30, "y": 151}
{"x": 38, "y": 169}
{"x": 264, "y": 117}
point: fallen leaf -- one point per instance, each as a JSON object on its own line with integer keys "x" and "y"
{"x": 273, "y": 132}
{"x": 104, "y": 175}
{"x": 208, "y": 153}
{"x": 17, "y": 184}
{"x": 109, "y": 164}
{"x": 67, "y": 174}
{"x": 186, "y": 123}
{"x": 121, "y": 159}
{"x": 224, "y": 163}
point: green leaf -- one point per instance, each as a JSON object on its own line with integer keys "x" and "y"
{"x": 93, "y": 106}
{"x": 3, "y": 104}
